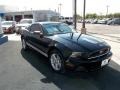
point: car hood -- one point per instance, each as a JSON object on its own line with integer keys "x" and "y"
{"x": 6, "y": 26}
{"x": 80, "y": 42}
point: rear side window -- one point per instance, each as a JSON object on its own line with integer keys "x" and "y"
{"x": 32, "y": 28}
{"x": 35, "y": 27}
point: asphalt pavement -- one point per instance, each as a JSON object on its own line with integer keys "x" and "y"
{"x": 29, "y": 70}
{"x": 101, "y": 29}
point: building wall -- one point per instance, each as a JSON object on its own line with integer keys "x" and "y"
{"x": 37, "y": 15}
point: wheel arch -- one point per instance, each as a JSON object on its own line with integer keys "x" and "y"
{"x": 63, "y": 50}
{"x": 53, "y": 48}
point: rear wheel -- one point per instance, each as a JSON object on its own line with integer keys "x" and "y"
{"x": 57, "y": 61}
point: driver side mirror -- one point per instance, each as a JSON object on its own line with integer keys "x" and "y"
{"x": 38, "y": 33}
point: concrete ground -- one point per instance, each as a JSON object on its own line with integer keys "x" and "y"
{"x": 20, "y": 70}
{"x": 101, "y": 28}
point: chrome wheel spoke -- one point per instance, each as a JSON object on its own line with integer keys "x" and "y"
{"x": 55, "y": 61}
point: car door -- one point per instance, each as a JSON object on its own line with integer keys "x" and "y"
{"x": 40, "y": 42}
{"x": 119, "y": 22}
{"x": 116, "y": 21}
{"x": 30, "y": 36}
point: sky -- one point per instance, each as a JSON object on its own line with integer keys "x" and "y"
{"x": 92, "y": 6}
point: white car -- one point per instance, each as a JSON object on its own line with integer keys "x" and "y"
{"x": 67, "y": 20}
{"x": 8, "y": 26}
{"x": 23, "y": 23}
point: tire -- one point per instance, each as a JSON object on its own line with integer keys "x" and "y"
{"x": 57, "y": 61}
{"x": 24, "y": 45}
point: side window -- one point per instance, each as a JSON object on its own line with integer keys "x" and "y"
{"x": 35, "y": 27}
{"x": 32, "y": 27}
{"x": 117, "y": 21}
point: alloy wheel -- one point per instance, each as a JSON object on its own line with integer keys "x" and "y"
{"x": 56, "y": 62}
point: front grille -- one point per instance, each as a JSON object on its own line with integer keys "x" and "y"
{"x": 99, "y": 53}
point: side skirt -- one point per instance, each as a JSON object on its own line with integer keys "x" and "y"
{"x": 30, "y": 45}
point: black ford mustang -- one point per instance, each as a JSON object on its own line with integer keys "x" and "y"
{"x": 65, "y": 47}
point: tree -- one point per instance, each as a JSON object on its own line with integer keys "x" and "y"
{"x": 79, "y": 17}
{"x": 110, "y": 16}
{"x": 116, "y": 15}
{"x": 94, "y": 15}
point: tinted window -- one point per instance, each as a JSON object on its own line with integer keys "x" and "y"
{"x": 35, "y": 27}
{"x": 117, "y": 21}
{"x": 59, "y": 28}
{"x": 66, "y": 17}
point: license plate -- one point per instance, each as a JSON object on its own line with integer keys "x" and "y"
{"x": 104, "y": 62}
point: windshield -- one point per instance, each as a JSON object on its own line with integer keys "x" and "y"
{"x": 59, "y": 28}
{"x": 26, "y": 21}
{"x": 7, "y": 23}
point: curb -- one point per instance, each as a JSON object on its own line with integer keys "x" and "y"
{"x": 3, "y": 39}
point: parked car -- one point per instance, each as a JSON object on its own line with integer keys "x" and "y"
{"x": 115, "y": 21}
{"x": 88, "y": 20}
{"x": 23, "y": 23}
{"x": 65, "y": 47}
{"x": 94, "y": 21}
{"x": 67, "y": 20}
{"x": 103, "y": 21}
{"x": 8, "y": 26}
{"x": 79, "y": 20}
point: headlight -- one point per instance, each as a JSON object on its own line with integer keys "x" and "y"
{"x": 76, "y": 54}
{"x": 79, "y": 54}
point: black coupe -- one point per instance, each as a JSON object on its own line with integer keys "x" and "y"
{"x": 65, "y": 47}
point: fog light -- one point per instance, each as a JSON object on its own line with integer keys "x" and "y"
{"x": 69, "y": 64}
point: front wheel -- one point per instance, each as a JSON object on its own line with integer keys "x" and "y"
{"x": 57, "y": 62}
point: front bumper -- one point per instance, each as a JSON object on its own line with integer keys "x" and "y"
{"x": 88, "y": 64}
{"x": 9, "y": 30}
